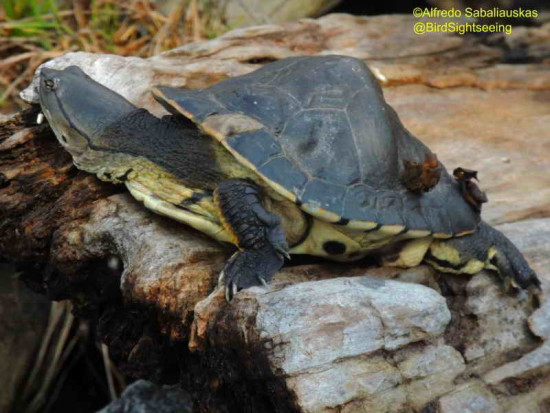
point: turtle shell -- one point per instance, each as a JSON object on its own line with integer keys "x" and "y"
{"x": 318, "y": 131}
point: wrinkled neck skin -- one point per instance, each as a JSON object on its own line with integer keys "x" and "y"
{"x": 140, "y": 142}
{"x": 109, "y": 136}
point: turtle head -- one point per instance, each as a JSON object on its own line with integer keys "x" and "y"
{"x": 79, "y": 109}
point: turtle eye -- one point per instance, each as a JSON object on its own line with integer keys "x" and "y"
{"x": 51, "y": 84}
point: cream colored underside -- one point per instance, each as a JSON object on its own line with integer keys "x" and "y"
{"x": 161, "y": 192}
{"x": 157, "y": 189}
{"x": 199, "y": 222}
{"x": 358, "y": 244}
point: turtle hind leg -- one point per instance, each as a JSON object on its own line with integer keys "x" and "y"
{"x": 509, "y": 262}
{"x": 487, "y": 248}
{"x": 257, "y": 233}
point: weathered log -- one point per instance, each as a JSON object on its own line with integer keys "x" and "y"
{"x": 310, "y": 342}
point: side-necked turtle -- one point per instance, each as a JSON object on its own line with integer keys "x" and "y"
{"x": 302, "y": 156}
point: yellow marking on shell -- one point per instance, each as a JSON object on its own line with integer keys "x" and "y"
{"x": 157, "y": 205}
{"x": 223, "y": 126}
{"x": 180, "y": 109}
{"x": 361, "y": 225}
{"x": 463, "y": 233}
{"x": 418, "y": 233}
{"x": 372, "y": 239}
{"x": 321, "y": 213}
{"x": 172, "y": 102}
{"x": 321, "y": 232}
{"x": 280, "y": 189}
{"x": 213, "y": 132}
{"x": 375, "y": 239}
{"x": 391, "y": 229}
{"x": 412, "y": 253}
{"x": 441, "y": 235}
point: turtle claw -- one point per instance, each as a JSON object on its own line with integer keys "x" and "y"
{"x": 532, "y": 294}
{"x": 282, "y": 250}
{"x": 230, "y": 292}
{"x": 249, "y": 268}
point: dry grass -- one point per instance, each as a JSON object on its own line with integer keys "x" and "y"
{"x": 63, "y": 344}
{"x": 33, "y": 31}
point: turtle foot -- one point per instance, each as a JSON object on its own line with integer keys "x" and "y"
{"x": 486, "y": 248}
{"x": 256, "y": 231}
{"x": 250, "y": 268}
{"x": 512, "y": 266}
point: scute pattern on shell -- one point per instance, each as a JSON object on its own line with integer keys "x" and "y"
{"x": 330, "y": 142}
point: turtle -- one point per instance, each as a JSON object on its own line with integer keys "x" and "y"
{"x": 301, "y": 156}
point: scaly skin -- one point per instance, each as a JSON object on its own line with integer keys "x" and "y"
{"x": 179, "y": 172}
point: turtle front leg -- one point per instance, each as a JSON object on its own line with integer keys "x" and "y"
{"x": 257, "y": 233}
{"x": 486, "y": 248}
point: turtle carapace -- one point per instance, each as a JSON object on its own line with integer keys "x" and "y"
{"x": 302, "y": 156}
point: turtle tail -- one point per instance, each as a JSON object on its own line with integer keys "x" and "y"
{"x": 508, "y": 261}
{"x": 487, "y": 248}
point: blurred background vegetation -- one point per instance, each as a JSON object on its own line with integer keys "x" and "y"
{"x": 33, "y": 31}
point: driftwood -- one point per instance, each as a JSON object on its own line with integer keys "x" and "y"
{"x": 310, "y": 342}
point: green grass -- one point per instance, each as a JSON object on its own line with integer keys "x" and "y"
{"x": 38, "y": 30}
{"x": 21, "y": 9}
{"x": 32, "y": 18}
